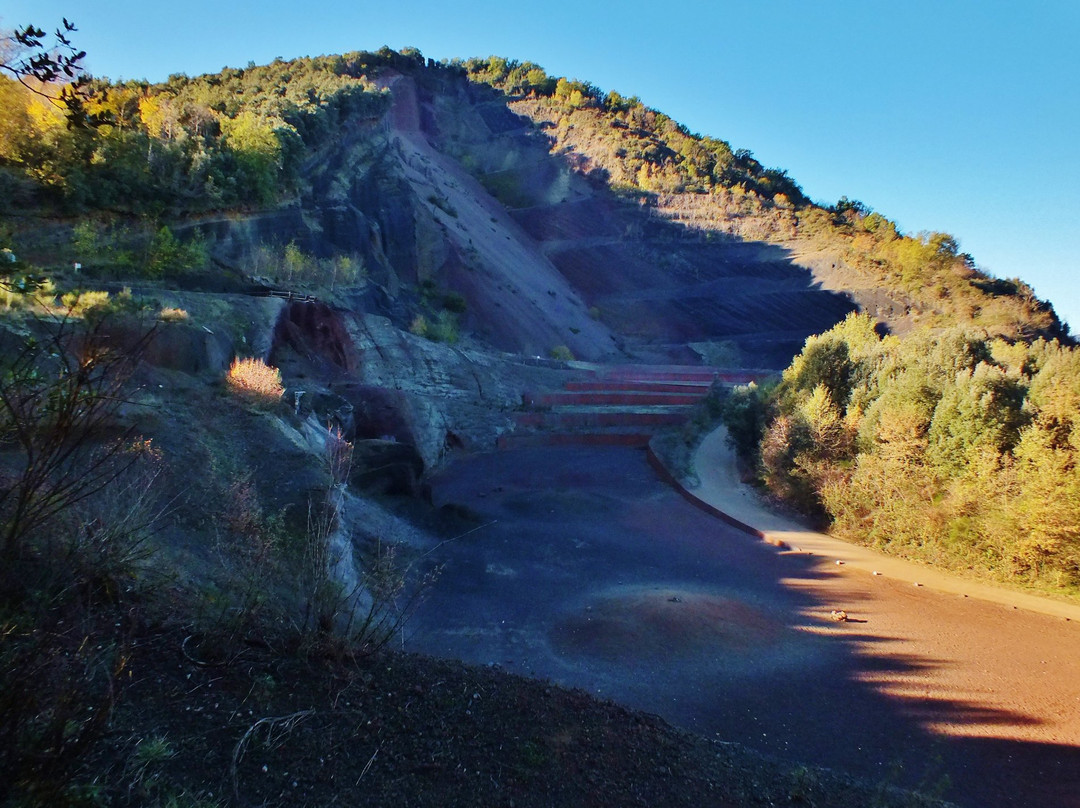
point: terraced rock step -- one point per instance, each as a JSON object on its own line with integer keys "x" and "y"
{"x": 625, "y": 398}
{"x": 659, "y": 373}
{"x": 601, "y": 386}
{"x": 644, "y": 375}
{"x": 618, "y": 405}
{"x": 520, "y": 441}
{"x": 604, "y": 417}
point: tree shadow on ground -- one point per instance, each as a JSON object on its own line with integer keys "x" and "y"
{"x": 632, "y": 594}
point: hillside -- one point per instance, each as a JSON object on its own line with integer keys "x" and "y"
{"x": 420, "y": 262}
{"x": 564, "y": 217}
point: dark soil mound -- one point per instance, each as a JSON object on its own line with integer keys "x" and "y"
{"x": 395, "y": 729}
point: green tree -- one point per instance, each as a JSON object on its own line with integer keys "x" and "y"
{"x": 981, "y": 410}
{"x": 257, "y": 149}
{"x": 1045, "y": 514}
{"x": 168, "y": 256}
{"x": 825, "y": 361}
{"x": 16, "y": 126}
{"x": 744, "y": 414}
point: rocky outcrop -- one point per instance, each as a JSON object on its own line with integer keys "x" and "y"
{"x": 315, "y": 331}
{"x": 457, "y": 397}
{"x": 362, "y": 375}
{"x": 386, "y": 467}
{"x": 189, "y": 348}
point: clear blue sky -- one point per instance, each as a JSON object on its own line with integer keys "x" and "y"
{"x": 954, "y": 115}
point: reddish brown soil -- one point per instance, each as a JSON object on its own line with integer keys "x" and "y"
{"x": 590, "y": 571}
{"x": 649, "y": 626}
{"x": 960, "y": 658}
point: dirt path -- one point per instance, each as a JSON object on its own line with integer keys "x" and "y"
{"x": 720, "y": 486}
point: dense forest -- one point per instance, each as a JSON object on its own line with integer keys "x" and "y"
{"x": 946, "y": 446}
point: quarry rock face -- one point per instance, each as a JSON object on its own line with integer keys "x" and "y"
{"x": 452, "y": 191}
{"x": 451, "y": 195}
{"x": 444, "y": 397}
{"x": 315, "y": 331}
{"x": 360, "y": 374}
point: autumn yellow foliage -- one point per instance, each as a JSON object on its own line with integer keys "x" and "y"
{"x": 255, "y": 380}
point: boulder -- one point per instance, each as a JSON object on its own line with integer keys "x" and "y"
{"x": 188, "y": 348}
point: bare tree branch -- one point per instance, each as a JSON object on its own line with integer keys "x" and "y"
{"x": 36, "y": 64}
{"x": 59, "y": 396}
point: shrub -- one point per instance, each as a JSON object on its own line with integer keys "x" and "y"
{"x": 59, "y": 394}
{"x": 455, "y": 302}
{"x": 26, "y": 293}
{"x": 744, "y": 412}
{"x": 344, "y": 269}
{"x": 79, "y": 304}
{"x": 255, "y": 380}
{"x": 296, "y": 263}
{"x": 291, "y": 265}
{"x": 419, "y": 326}
{"x": 97, "y": 304}
{"x": 562, "y": 353}
{"x": 169, "y": 257}
{"x": 98, "y": 246}
{"x": 445, "y": 328}
{"x": 74, "y": 518}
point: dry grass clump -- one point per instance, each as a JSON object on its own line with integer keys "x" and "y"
{"x": 170, "y": 314}
{"x": 255, "y": 380}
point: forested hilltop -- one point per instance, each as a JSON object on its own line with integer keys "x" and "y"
{"x": 232, "y": 139}
{"x": 241, "y": 138}
{"x": 701, "y": 182}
